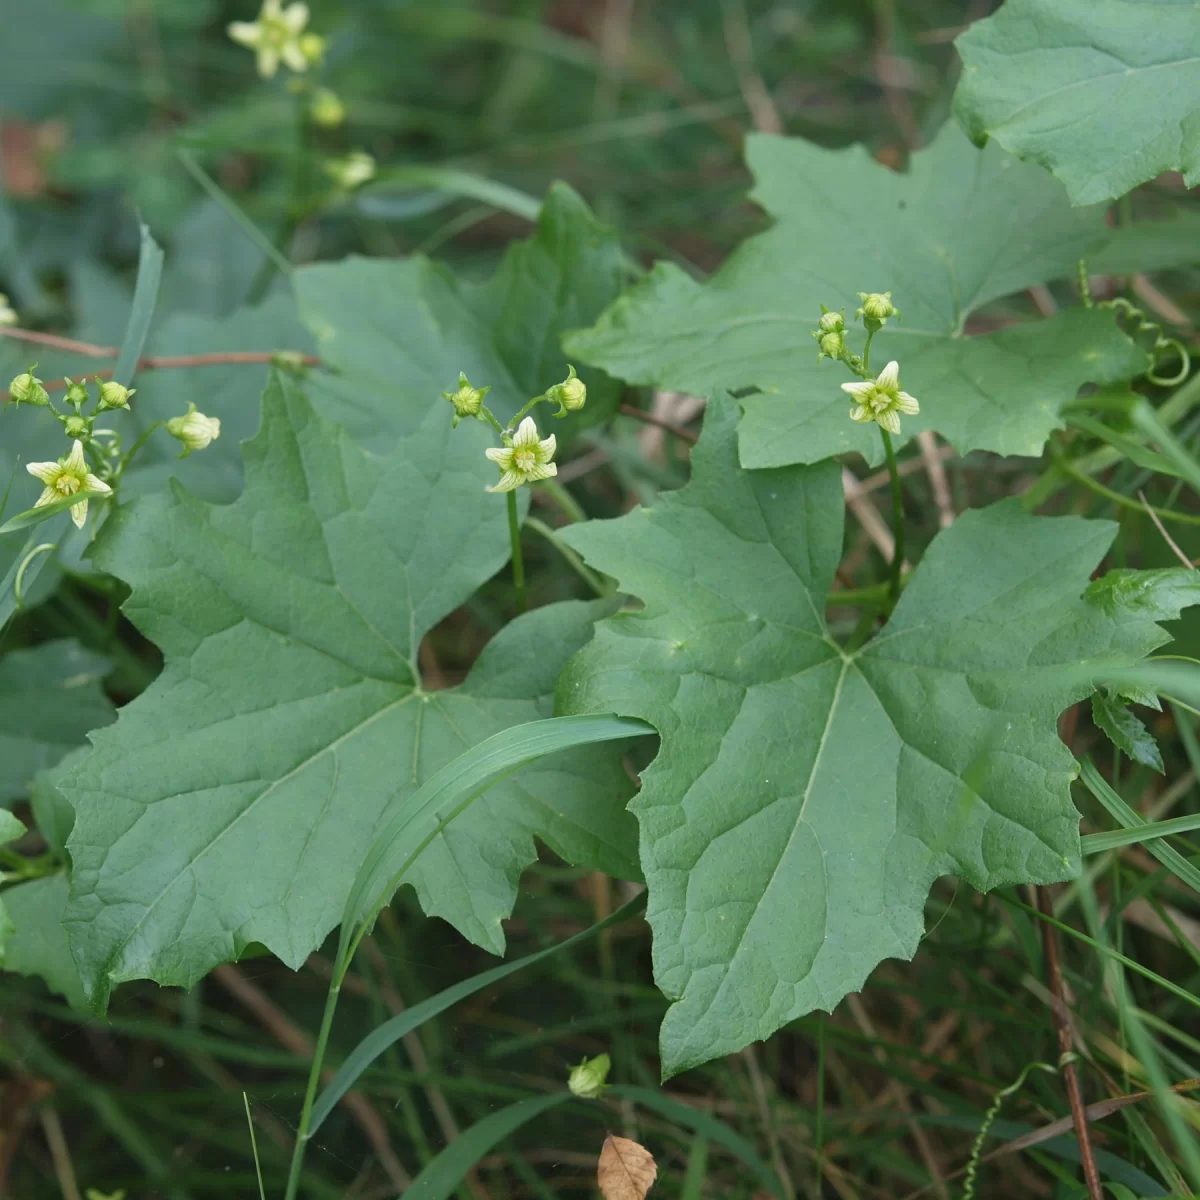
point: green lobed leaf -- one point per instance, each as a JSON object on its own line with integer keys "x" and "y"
{"x": 1126, "y": 732}
{"x": 806, "y": 796}
{"x": 960, "y": 228}
{"x": 234, "y": 800}
{"x": 1104, "y": 93}
{"x": 50, "y": 699}
{"x": 398, "y": 332}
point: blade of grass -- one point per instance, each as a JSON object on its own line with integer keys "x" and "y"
{"x": 379, "y": 1039}
{"x": 1094, "y": 843}
{"x": 141, "y": 311}
{"x": 1129, "y": 819}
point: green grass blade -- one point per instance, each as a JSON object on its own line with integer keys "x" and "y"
{"x": 141, "y": 312}
{"x": 1094, "y": 843}
{"x": 262, "y": 1191}
{"x": 1126, "y": 817}
{"x": 439, "y": 1179}
{"x": 440, "y": 799}
{"x": 379, "y": 1039}
{"x": 466, "y": 185}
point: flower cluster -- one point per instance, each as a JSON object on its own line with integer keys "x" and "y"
{"x": 523, "y": 456}
{"x": 877, "y": 398}
{"x": 94, "y": 465}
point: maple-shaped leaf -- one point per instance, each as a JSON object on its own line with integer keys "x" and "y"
{"x": 1105, "y": 93}
{"x": 396, "y": 332}
{"x": 234, "y": 800}
{"x": 960, "y": 228}
{"x": 806, "y": 796}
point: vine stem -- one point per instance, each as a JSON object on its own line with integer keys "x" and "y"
{"x": 1066, "y": 1059}
{"x": 897, "y": 518}
{"x": 518, "y": 563}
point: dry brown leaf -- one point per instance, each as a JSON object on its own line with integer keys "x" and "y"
{"x": 627, "y": 1171}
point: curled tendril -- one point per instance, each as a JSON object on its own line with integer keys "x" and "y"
{"x": 18, "y": 583}
{"x": 991, "y": 1114}
{"x": 1164, "y": 347}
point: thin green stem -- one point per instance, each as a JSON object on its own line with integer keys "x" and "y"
{"x": 532, "y": 404}
{"x": 866, "y": 355}
{"x": 126, "y": 459}
{"x": 295, "y": 209}
{"x": 565, "y": 501}
{"x": 1065, "y": 465}
{"x": 572, "y": 558}
{"x": 489, "y": 416}
{"x": 897, "y": 518}
{"x": 518, "y": 563}
{"x": 314, "y": 1077}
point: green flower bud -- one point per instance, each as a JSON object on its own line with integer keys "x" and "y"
{"x": 833, "y": 345}
{"x": 114, "y": 395}
{"x": 467, "y": 400}
{"x": 570, "y": 395}
{"x": 27, "y": 389}
{"x": 587, "y": 1079}
{"x": 8, "y": 314}
{"x": 194, "y": 430}
{"x": 77, "y": 393}
{"x": 352, "y": 171}
{"x": 312, "y": 46}
{"x": 326, "y": 108}
{"x": 876, "y": 308}
{"x": 831, "y": 322}
{"x": 76, "y": 427}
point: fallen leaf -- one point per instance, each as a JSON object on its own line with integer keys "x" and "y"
{"x": 627, "y": 1171}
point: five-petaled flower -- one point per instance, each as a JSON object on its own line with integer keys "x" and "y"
{"x": 275, "y": 36}
{"x": 68, "y": 477}
{"x": 881, "y": 399}
{"x": 524, "y": 458}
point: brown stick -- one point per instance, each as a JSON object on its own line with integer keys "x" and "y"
{"x": 685, "y": 435}
{"x": 1062, "y": 1021}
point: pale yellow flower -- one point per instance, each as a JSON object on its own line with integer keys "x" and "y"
{"x": 68, "y": 477}
{"x": 275, "y": 36}
{"x": 525, "y": 459}
{"x": 194, "y": 430}
{"x": 881, "y": 399}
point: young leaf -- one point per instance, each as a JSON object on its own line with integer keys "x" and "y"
{"x": 399, "y": 331}
{"x": 1126, "y": 732}
{"x": 1105, "y": 93}
{"x": 626, "y": 1170}
{"x": 234, "y": 800}
{"x": 960, "y": 228}
{"x": 806, "y": 796}
{"x": 50, "y": 699}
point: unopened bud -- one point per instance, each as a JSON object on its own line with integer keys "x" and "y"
{"x": 467, "y": 400}
{"x": 194, "y": 430}
{"x": 587, "y": 1079}
{"x": 114, "y": 395}
{"x": 75, "y": 427}
{"x": 570, "y": 395}
{"x": 77, "y": 393}
{"x": 833, "y": 345}
{"x": 831, "y": 322}
{"x": 876, "y": 308}
{"x": 326, "y": 108}
{"x": 27, "y": 389}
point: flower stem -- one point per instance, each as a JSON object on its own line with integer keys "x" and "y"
{"x": 897, "y": 518}
{"x": 866, "y": 357}
{"x": 518, "y": 563}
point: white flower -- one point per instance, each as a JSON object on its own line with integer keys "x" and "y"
{"x": 523, "y": 460}
{"x": 194, "y": 430}
{"x": 881, "y": 399}
{"x": 8, "y": 314}
{"x": 352, "y": 171}
{"x": 67, "y": 477}
{"x": 274, "y": 36}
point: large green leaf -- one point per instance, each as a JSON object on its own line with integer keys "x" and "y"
{"x": 1105, "y": 93}
{"x": 234, "y": 800}
{"x": 806, "y": 796}
{"x": 398, "y": 332}
{"x": 962, "y": 227}
{"x": 50, "y": 699}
